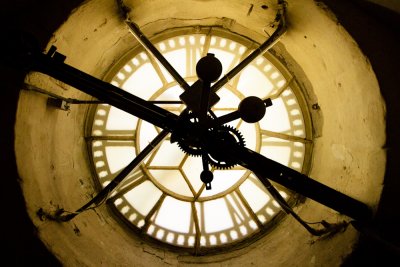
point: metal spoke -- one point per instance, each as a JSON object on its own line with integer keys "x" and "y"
{"x": 286, "y": 136}
{"x": 110, "y": 138}
{"x": 127, "y": 188}
{"x": 235, "y": 81}
{"x": 246, "y": 204}
{"x": 197, "y": 228}
{"x": 142, "y": 39}
{"x": 153, "y": 210}
{"x": 206, "y": 46}
{"x": 281, "y": 90}
{"x": 157, "y": 68}
{"x": 188, "y": 182}
{"x": 281, "y": 29}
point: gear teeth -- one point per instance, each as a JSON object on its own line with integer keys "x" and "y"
{"x": 237, "y": 133}
{"x": 190, "y": 151}
{"x": 220, "y": 166}
{"x": 196, "y": 152}
{"x": 239, "y": 140}
{"x": 184, "y": 145}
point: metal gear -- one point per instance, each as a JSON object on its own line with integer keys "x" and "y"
{"x": 193, "y": 151}
{"x": 190, "y": 142}
{"x": 228, "y": 134}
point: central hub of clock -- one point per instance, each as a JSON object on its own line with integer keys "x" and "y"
{"x": 200, "y": 130}
{"x": 196, "y": 140}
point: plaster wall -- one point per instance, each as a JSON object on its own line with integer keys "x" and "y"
{"x": 348, "y": 123}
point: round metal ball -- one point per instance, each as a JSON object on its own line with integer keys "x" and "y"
{"x": 209, "y": 68}
{"x": 206, "y": 177}
{"x": 252, "y": 109}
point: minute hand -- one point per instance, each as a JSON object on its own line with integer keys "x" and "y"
{"x": 296, "y": 181}
{"x": 104, "y": 91}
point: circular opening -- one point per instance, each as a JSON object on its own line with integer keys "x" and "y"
{"x": 164, "y": 198}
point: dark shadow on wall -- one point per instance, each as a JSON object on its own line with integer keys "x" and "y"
{"x": 20, "y": 244}
{"x": 375, "y": 29}
{"x": 377, "y": 32}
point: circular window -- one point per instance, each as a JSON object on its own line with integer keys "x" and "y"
{"x": 164, "y": 197}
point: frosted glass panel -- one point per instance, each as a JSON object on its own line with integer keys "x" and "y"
{"x": 174, "y": 215}
{"x": 143, "y": 197}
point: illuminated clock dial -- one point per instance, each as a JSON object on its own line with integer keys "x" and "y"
{"x": 164, "y": 198}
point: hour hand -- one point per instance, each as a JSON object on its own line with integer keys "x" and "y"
{"x": 268, "y": 169}
{"x": 53, "y": 65}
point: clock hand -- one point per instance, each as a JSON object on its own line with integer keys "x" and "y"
{"x": 268, "y": 169}
{"x": 52, "y": 64}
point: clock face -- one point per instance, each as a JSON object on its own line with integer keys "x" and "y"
{"x": 164, "y": 197}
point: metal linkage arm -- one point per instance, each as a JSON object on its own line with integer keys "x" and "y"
{"x": 327, "y": 227}
{"x": 103, "y": 194}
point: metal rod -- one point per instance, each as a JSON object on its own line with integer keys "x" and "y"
{"x": 260, "y": 50}
{"x": 31, "y": 87}
{"x": 118, "y": 179}
{"x": 142, "y": 39}
{"x": 285, "y": 206}
{"x": 105, "y": 92}
{"x": 293, "y": 180}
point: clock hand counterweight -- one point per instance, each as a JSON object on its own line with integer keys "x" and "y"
{"x": 208, "y": 69}
{"x": 251, "y": 110}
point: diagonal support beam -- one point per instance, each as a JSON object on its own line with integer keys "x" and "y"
{"x": 266, "y": 168}
{"x": 270, "y": 42}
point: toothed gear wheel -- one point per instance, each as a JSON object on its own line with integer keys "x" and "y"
{"x": 191, "y": 150}
{"x": 190, "y": 141}
{"x": 229, "y": 134}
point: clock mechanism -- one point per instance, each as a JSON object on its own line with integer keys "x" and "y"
{"x": 198, "y": 131}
